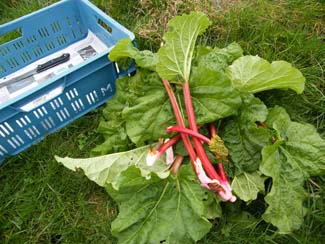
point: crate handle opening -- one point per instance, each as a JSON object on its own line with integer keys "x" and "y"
{"x": 104, "y": 25}
{"x": 42, "y": 99}
{"x": 10, "y": 36}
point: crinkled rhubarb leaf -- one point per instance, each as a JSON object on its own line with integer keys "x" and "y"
{"x": 219, "y": 58}
{"x": 116, "y": 139}
{"x": 213, "y": 95}
{"x": 244, "y": 138}
{"x": 298, "y": 153}
{"x": 150, "y": 113}
{"x": 107, "y": 169}
{"x": 175, "y": 57}
{"x": 253, "y": 74}
{"x": 112, "y": 126}
{"x": 172, "y": 210}
{"x": 252, "y": 109}
{"x": 247, "y": 185}
{"x": 125, "y": 49}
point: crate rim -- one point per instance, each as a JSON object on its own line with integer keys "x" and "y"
{"x": 6, "y": 27}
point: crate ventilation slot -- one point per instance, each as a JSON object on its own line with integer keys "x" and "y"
{"x": 56, "y": 26}
{"x": 3, "y": 151}
{"x": 32, "y": 132}
{"x": 92, "y": 97}
{"x": 56, "y": 103}
{"x": 71, "y": 94}
{"x": 40, "y": 112}
{"x": 63, "y": 114}
{"x": 48, "y": 123}
{"x": 5, "y": 129}
{"x": 78, "y": 105}
{"x": 23, "y": 121}
{"x": 16, "y": 141}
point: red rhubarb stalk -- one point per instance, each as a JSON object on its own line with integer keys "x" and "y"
{"x": 177, "y": 163}
{"x": 193, "y": 126}
{"x": 155, "y": 153}
{"x": 188, "y": 132}
{"x": 223, "y": 187}
{"x": 169, "y": 143}
{"x": 180, "y": 122}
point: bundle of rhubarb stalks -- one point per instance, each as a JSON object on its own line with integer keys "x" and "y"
{"x": 186, "y": 135}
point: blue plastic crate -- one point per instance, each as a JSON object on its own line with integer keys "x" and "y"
{"x": 28, "y": 118}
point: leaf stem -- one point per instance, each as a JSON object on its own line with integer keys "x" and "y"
{"x": 193, "y": 126}
{"x": 180, "y": 122}
{"x": 169, "y": 143}
{"x": 188, "y": 132}
{"x": 177, "y": 163}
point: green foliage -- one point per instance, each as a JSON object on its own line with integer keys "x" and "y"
{"x": 125, "y": 49}
{"x": 253, "y": 74}
{"x": 244, "y": 138}
{"x": 298, "y": 153}
{"x": 107, "y": 169}
{"x": 175, "y": 57}
{"x": 150, "y": 113}
{"x": 140, "y": 110}
{"x": 112, "y": 126}
{"x": 213, "y": 95}
{"x": 218, "y": 58}
{"x": 217, "y": 146}
{"x": 174, "y": 210}
{"x": 248, "y": 185}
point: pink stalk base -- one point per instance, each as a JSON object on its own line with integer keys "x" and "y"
{"x": 155, "y": 154}
{"x": 177, "y": 163}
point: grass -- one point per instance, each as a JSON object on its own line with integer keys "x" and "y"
{"x": 42, "y": 202}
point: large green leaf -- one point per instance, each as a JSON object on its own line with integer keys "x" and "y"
{"x": 253, "y": 74}
{"x": 212, "y": 95}
{"x": 173, "y": 210}
{"x": 218, "y": 58}
{"x": 107, "y": 169}
{"x": 244, "y": 138}
{"x": 125, "y": 49}
{"x": 175, "y": 57}
{"x": 247, "y": 185}
{"x": 298, "y": 154}
{"x": 150, "y": 113}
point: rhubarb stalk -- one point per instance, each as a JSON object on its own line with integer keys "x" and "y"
{"x": 180, "y": 122}
{"x": 188, "y": 132}
{"x": 222, "y": 186}
{"x": 193, "y": 126}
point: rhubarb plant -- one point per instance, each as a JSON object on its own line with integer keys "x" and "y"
{"x": 186, "y": 135}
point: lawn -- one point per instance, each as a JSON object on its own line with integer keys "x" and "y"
{"x": 43, "y": 202}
